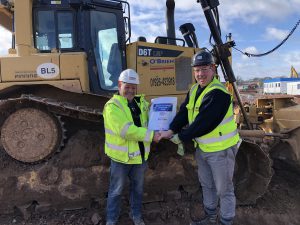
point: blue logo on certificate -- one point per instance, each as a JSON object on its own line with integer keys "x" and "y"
{"x": 165, "y": 107}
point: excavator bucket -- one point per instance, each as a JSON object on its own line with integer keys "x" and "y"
{"x": 253, "y": 173}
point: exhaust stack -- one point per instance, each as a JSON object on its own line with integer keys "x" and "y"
{"x": 170, "y": 23}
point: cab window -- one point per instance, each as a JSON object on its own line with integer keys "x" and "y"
{"x": 54, "y": 30}
{"x": 65, "y": 30}
{"x": 106, "y": 48}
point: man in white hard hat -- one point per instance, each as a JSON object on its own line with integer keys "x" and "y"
{"x": 127, "y": 144}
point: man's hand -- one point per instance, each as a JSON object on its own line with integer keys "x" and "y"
{"x": 156, "y": 137}
{"x": 166, "y": 134}
{"x": 175, "y": 139}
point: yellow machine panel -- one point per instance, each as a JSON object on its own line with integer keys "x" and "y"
{"x": 25, "y": 68}
{"x": 163, "y": 69}
{"x": 67, "y": 85}
{"x": 74, "y": 66}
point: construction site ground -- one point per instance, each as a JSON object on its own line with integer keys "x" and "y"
{"x": 279, "y": 206}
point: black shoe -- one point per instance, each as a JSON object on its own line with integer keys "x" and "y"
{"x": 207, "y": 220}
{"x": 225, "y": 223}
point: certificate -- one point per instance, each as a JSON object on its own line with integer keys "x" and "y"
{"x": 162, "y": 112}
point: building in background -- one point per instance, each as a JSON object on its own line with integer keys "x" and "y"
{"x": 278, "y": 85}
{"x": 293, "y": 88}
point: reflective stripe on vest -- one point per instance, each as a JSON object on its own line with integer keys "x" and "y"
{"x": 125, "y": 149}
{"x": 214, "y": 85}
{"x": 192, "y": 89}
{"x": 108, "y": 131}
{"x": 117, "y": 147}
{"x": 125, "y": 129}
{"x": 118, "y": 103}
{"x": 147, "y": 137}
{"x": 138, "y": 152}
{"x": 220, "y": 86}
{"x": 216, "y": 139}
{"x": 227, "y": 120}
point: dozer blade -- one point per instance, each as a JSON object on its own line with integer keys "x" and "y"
{"x": 253, "y": 173}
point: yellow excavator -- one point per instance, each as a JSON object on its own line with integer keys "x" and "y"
{"x": 293, "y": 73}
{"x": 63, "y": 66}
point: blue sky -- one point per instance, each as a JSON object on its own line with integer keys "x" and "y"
{"x": 257, "y": 26}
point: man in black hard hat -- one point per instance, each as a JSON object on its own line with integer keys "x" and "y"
{"x": 208, "y": 111}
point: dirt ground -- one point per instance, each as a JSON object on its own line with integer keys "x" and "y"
{"x": 279, "y": 206}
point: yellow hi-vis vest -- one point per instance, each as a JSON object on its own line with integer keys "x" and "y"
{"x": 225, "y": 134}
{"x": 121, "y": 135}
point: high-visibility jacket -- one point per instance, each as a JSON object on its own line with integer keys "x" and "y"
{"x": 225, "y": 134}
{"x": 121, "y": 135}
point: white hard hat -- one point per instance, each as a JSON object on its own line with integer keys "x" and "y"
{"x": 129, "y": 76}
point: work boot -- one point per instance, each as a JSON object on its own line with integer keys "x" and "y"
{"x": 225, "y": 222}
{"x": 138, "y": 221}
{"x": 207, "y": 220}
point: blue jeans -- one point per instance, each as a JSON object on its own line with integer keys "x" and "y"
{"x": 215, "y": 172}
{"x": 118, "y": 175}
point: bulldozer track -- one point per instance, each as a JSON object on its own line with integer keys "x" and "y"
{"x": 47, "y": 105}
{"x": 64, "y": 108}
{"x": 32, "y": 135}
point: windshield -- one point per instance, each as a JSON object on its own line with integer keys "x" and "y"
{"x": 106, "y": 48}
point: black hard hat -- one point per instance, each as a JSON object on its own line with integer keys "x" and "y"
{"x": 202, "y": 58}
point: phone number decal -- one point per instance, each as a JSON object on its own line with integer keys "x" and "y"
{"x": 162, "y": 81}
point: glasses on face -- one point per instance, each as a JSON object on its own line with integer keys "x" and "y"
{"x": 202, "y": 69}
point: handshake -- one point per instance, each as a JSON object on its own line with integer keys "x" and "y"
{"x": 158, "y": 135}
{"x": 169, "y": 134}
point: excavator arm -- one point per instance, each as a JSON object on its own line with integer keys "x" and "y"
{"x": 222, "y": 51}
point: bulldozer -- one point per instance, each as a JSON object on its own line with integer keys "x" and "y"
{"x": 63, "y": 67}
